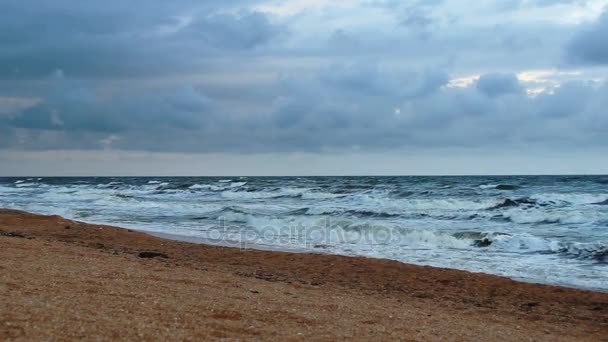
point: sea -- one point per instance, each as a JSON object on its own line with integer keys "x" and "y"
{"x": 542, "y": 229}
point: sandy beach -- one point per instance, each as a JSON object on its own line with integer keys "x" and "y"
{"x": 61, "y": 279}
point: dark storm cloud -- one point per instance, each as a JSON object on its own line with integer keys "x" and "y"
{"x": 589, "y": 45}
{"x": 116, "y": 38}
{"x": 80, "y": 108}
{"x": 338, "y": 106}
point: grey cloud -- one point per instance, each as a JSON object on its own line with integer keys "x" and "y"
{"x": 342, "y": 40}
{"x": 499, "y": 84}
{"x": 368, "y": 79}
{"x": 416, "y": 16}
{"x": 79, "y": 108}
{"x": 509, "y": 5}
{"x": 470, "y": 46}
{"x": 108, "y": 40}
{"x": 365, "y": 87}
{"x": 570, "y": 99}
{"x": 417, "y": 19}
{"x": 363, "y": 106}
{"x": 393, "y": 4}
{"x": 589, "y": 45}
{"x": 444, "y": 116}
{"x": 545, "y": 3}
{"x": 244, "y": 31}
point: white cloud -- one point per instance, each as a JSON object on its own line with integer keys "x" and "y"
{"x": 463, "y": 82}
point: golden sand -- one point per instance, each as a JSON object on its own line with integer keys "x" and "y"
{"x": 61, "y": 279}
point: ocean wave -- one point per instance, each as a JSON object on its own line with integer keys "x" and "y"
{"x": 551, "y": 200}
{"x": 347, "y": 232}
{"x": 110, "y": 185}
{"x": 402, "y": 193}
{"x": 488, "y": 186}
{"x": 295, "y": 212}
{"x": 507, "y": 203}
{"x": 499, "y": 186}
{"x": 197, "y": 186}
{"x": 377, "y": 234}
{"x": 209, "y": 187}
{"x": 492, "y": 241}
{"x": 382, "y": 200}
{"x": 235, "y": 214}
{"x": 320, "y": 195}
{"x": 305, "y": 194}
{"x": 26, "y": 185}
{"x": 364, "y": 213}
{"x": 246, "y": 195}
{"x": 378, "y": 205}
{"x": 370, "y": 213}
{"x": 570, "y": 198}
{"x": 534, "y": 215}
{"x": 124, "y": 196}
{"x": 174, "y": 186}
{"x": 596, "y": 251}
{"x": 603, "y": 180}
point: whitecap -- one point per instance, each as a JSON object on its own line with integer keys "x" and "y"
{"x": 25, "y": 185}
{"x": 206, "y": 187}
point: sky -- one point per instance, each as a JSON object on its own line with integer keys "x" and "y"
{"x": 303, "y": 87}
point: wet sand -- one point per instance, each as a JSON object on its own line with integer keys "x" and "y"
{"x": 61, "y": 279}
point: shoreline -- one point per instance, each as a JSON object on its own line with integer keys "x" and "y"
{"x": 61, "y": 278}
{"x": 301, "y": 250}
{"x": 272, "y": 248}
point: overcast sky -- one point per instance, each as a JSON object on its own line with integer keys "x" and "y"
{"x": 303, "y": 87}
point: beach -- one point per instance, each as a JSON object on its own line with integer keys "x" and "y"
{"x": 548, "y": 230}
{"x": 62, "y": 279}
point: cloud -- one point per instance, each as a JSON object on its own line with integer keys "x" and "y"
{"x": 499, "y": 84}
{"x": 108, "y": 40}
{"x": 340, "y": 107}
{"x": 217, "y": 76}
{"x": 589, "y": 44}
{"x": 546, "y": 3}
{"x": 245, "y": 30}
{"x": 79, "y": 110}
{"x": 518, "y": 4}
